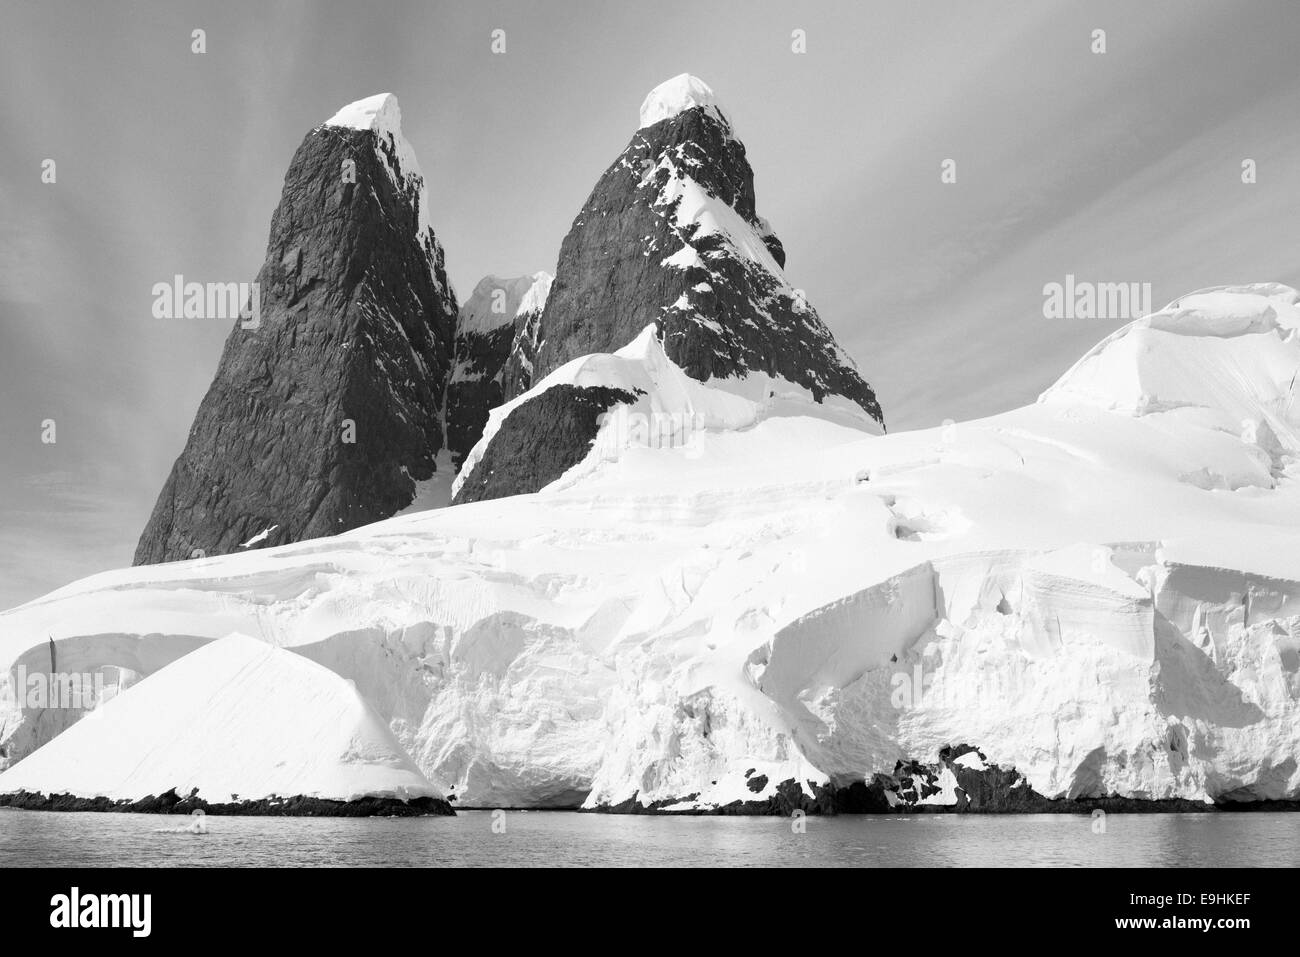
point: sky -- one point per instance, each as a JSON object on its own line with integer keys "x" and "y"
{"x": 1122, "y": 166}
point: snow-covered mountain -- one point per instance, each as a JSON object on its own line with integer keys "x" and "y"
{"x": 497, "y": 326}
{"x": 669, "y": 238}
{"x": 327, "y": 407}
{"x": 1095, "y": 595}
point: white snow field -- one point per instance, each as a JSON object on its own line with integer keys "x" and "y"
{"x": 1101, "y": 590}
{"x": 238, "y": 720}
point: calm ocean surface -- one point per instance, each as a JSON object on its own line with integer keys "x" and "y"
{"x": 548, "y": 838}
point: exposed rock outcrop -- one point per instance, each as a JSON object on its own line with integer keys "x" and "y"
{"x": 541, "y": 439}
{"x": 496, "y": 328}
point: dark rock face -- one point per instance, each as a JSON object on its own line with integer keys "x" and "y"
{"x": 320, "y": 419}
{"x": 789, "y": 798}
{"x": 517, "y": 376}
{"x": 471, "y": 397}
{"x": 492, "y": 330}
{"x": 171, "y": 803}
{"x": 638, "y": 253}
{"x": 539, "y": 441}
{"x": 990, "y": 788}
{"x": 980, "y": 790}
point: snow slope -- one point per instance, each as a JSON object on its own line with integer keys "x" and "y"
{"x": 674, "y": 410}
{"x": 239, "y": 720}
{"x": 1101, "y": 590}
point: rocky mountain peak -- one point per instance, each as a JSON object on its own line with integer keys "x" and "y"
{"x": 671, "y": 236}
{"x": 323, "y": 414}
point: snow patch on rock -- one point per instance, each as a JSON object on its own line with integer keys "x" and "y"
{"x": 699, "y": 214}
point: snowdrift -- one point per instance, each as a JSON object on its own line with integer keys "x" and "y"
{"x": 1100, "y": 591}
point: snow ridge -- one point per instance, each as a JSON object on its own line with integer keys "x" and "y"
{"x": 681, "y": 408}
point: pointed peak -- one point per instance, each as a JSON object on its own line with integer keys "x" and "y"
{"x": 683, "y": 92}
{"x": 378, "y": 112}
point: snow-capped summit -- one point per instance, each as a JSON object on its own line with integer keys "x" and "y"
{"x": 380, "y": 114}
{"x": 682, "y": 92}
{"x": 327, "y": 410}
{"x": 669, "y": 239}
{"x": 670, "y": 236}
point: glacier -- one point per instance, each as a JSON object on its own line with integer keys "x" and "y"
{"x": 1100, "y": 590}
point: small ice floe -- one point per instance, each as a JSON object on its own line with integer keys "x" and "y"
{"x": 198, "y": 825}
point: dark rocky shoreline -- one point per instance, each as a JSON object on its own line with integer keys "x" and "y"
{"x": 171, "y": 803}
{"x": 988, "y": 790}
{"x": 860, "y": 798}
